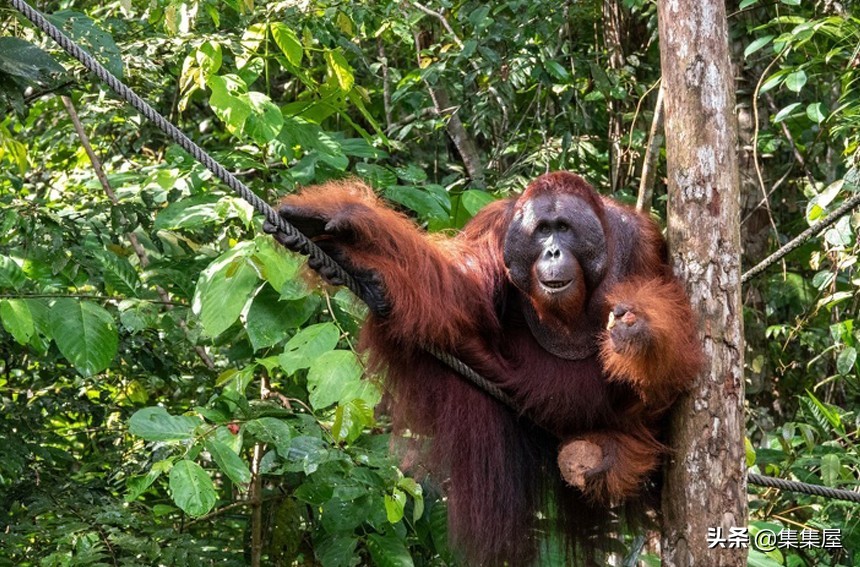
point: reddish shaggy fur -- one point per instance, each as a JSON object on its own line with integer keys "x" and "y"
{"x": 455, "y": 294}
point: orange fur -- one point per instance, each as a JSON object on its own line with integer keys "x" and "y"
{"x": 456, "y": 294}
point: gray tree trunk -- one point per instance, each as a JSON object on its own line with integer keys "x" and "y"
{"x": 705, "y": 482}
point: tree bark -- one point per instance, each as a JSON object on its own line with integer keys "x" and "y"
{"x": 705, "y": 482}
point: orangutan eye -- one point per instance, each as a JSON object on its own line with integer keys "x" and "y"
{"x": 563, "y": 227}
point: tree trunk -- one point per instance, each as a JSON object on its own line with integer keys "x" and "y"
{"x": 705, "y": 484}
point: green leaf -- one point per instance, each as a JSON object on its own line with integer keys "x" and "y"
{"x": 830, "y": 467}
{"x": 841, "y": 233}
{"x": 270, "y": 319}
{"x": 750, "y": 452}
{"x": 17, "y": 319}
{"x": 88, "y": 35}
{"x": 270, "y": 430}
{"x": 388, "y": 550}
{"x": 418, "y": 200}
{"x": 350, "y": 419}
{"x": 395, "y": 504}
{"x": 339, "y": 69}
{"x": 335, "y": 550}
{"x": 557, "y": 71}
{"x": 11, "y": 274}
{"x": 275, "y": 265}
{"x": 229, "y": 108}
{"x": 224, "y": 289}
{"x": 796, "y": 80}
{"x": 758, "y": 559}
{"x": 335, "y": 377}
{"x": 229, "y": 462}
{"x": 288, "y": 42}
{"x": 119, "y": 275}
{"x": 791, "y": 2}
{"x": 249, "y": 114}
{"x": 773, "y": 81}
{"x": 331, "y": 376}
{"x": 814, "y": 112}
{"x": 155, "y": 424}
{"x": 137, "y": 485}
{"x": 24, "y": 60}
{"x": 474, "y": 200}
{"x": 85, "y": 333}
{"x": 265, "y": 121}
{"x": 845, "y": 361}
{"x": 439, "y": 527}
{"x": 308, "y": 344}
{"x": 377, "y": 175}
{"x": 785, "y": 112}
{"x": 192, "y": 489}
{"x": 746, "y": 4}
{"x": 309, "y": 136}
{"x": 417, "y": 493}
{"x": 757, "y": 44}
{"x": 411, "y": 173}
{"x": 831, "y": 416}
{"x": 253, "y": 36}
{"x": 190, "y": 213}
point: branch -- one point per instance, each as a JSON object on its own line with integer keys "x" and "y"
{"x": 464, "y": 143}
{"x": 444, "y": 21}
{"x": 139, "y": 251}
{"x": 652, "y": 152}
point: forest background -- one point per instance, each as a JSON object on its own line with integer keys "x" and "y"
{"x": 173, "y": 392}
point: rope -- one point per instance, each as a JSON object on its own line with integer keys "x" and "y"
{"x": 806, "y": 488}
{"x": 304, "y": 245}
{"x": 801, "y": 238}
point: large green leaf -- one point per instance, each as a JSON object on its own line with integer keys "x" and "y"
{"x": 335, "y": 550}
{"x": 270, "y": 319}
{"x": 229, "y": 462}
{"x": 189, "y": 213}
{"x": 350, "y": 419}
{"x": 155, "y": 424}
{"x": 308, "y": 344}
{"x": 417, "y": 199}
{"x": 192, "y": 489}
{"x": 339, "y": 69}
{"x": 270, "y": 430}
{"x": 85, "y": 333}
{"x": 287, "y": 40}
{"x": 276, "y": 266}
{"x": 95, "y": 40}
{"x": 224, "y": 289}
{"x": 119, "y": 275}
{"x": 335, "y": 377}
{"x": 24, "y": 60}
{"x": 11, "y": 274}
{"x": 795, "y": 81}
{"x": 830, "y": 467}
{"x": 250, "y": 114}
{"x": 17, "y": 319}
{"x": 388, "y": 550}
{"x": 474, "y": 200}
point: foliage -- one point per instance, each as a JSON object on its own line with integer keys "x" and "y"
{"x": 172, "y": 388}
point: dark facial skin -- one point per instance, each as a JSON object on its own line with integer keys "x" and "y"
{"x": 555, "y": 247}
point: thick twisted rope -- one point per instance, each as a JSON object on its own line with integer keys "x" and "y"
{"x": 305, "y": 246}
{"x": 798, "y": 240}
{"x": 806, "y": 488}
